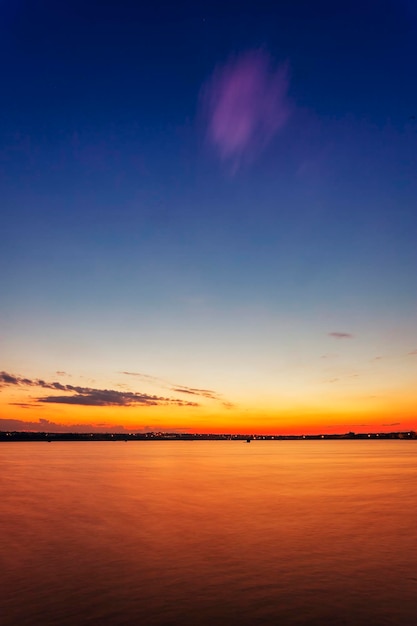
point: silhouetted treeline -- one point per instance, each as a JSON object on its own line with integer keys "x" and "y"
{"x": 160, "y": 436}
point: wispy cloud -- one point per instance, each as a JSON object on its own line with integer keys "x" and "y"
{"x": 191, "y": 391}
{"x": 340, "y": 335}
{"x": 245, "y": 104}
{"x": 143, "y": 376}
{"x": 205, "y": 393}
{"x": 413, "y": 352}
{"x": 88, "y": 396}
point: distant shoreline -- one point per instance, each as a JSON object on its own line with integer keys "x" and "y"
{"x": 16, "y": 436}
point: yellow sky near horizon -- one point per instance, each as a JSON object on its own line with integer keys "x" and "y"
{"x": 335, "y": 407}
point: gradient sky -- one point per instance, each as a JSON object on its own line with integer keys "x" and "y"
{"x": 208, "y": 216}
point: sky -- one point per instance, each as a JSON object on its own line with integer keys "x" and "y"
{"x": 208, "y": 216}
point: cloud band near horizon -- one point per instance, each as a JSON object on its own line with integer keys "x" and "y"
{"x": 88, "y": 396}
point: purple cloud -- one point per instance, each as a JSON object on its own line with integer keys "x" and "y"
{"x": 246, "y": 104}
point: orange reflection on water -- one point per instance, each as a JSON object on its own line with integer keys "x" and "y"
{"x": 209, "y": 532}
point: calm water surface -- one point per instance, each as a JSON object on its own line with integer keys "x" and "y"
{"x": 202, "y": 533}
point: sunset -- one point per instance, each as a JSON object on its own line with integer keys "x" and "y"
{"x": 243, "y": 223}
{"x": 209, "y": 228}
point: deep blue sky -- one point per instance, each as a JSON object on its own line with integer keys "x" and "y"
{"x": 123, "y": 231}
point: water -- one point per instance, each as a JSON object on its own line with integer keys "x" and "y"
{"x": 203, "y": 533}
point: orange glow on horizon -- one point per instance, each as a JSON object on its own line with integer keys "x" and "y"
{"x": 203, "y": 419}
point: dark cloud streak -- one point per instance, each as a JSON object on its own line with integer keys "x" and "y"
{"x": 88, "y": 396}
{"x": 205, "y": 393}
